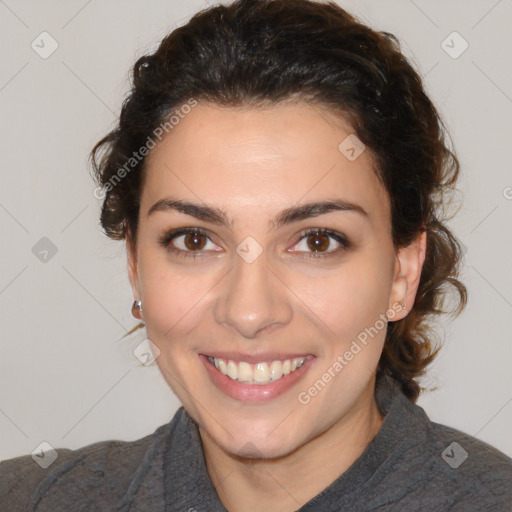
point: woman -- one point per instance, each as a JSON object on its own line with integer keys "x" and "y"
{"x": 279, "y": 176}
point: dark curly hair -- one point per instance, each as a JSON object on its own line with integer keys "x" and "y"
{"x": 255, "y": 53}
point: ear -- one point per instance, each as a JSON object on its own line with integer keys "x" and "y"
{"x": 408, "y": 267}
{"x": 133, "y": 276}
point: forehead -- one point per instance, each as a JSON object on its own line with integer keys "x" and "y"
{"x": 262, "y": 159}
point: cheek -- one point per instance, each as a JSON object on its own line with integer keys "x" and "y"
{"x": 175, "y": 299}
{"x": 350, "y": 299}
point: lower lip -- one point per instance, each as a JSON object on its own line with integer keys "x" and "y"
{"x": 254, "y": 393}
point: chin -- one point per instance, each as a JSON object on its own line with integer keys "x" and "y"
{"x": 265, "y": 443}
{"x": 261, "y": 449}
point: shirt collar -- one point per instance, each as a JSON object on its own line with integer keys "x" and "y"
{"x": 188, "y": 485}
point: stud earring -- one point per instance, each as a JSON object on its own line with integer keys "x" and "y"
{"x": 404, "y": 305}
{"x": 137, "y": 305}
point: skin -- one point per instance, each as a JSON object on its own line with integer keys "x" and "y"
{"x": 254, "y": 163}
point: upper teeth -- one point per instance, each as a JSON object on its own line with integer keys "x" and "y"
{"x": 259, "y": 373}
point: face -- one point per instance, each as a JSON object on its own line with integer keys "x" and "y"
{"x": 266, "y": 269}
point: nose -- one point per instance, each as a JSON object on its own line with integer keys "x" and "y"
{"x": 253, "y": 300}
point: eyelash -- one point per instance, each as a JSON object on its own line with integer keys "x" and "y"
{"x": 167, "y": 238}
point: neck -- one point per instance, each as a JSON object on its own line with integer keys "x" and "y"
{"x": 287, "y": 483}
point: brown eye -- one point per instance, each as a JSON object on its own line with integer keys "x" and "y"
{"x": 194, "y": 241}
{"x": 189, "y": 242}
{"x": 318, "y": 242}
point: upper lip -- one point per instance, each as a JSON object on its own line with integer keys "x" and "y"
{"x": 262, "y": 357}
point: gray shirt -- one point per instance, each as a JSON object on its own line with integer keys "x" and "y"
{"x": 412, "y": 464}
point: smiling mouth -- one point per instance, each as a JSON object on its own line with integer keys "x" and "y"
{"x": 258, "y": 373}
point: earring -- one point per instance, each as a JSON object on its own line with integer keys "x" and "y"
{"x": 404, "y": 305}
{"x": 137, "y": 305}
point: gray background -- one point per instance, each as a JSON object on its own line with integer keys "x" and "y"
{"x": 65, "y": 376}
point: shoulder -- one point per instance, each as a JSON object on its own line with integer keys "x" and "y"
{"x": 105, "y": 468}
{"x": 431, "y": 466}
{"x": 477, "y": 472}
{"x": 444, "y": 468}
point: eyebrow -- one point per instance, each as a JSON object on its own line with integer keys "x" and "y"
{"x": 287, "y": 216}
